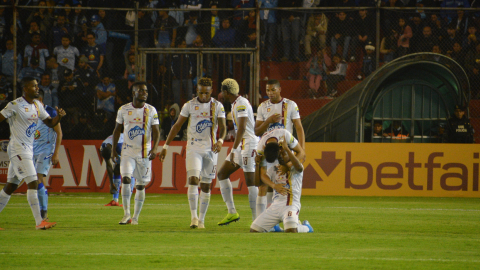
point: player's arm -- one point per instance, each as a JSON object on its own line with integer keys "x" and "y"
{"x": 300, "y": 132}
{"x": 295, "y": 162}
{"x": 51, "y": 123}
{"x": 266, "y": 179}
{"x": 242, "y": 126}
{"x": 58, "y": 130}
{"x": 262, "y": 126}
{"x": 299, "y": 152}
{"x": 222, "y": 130}
{"x": 156, "y": 140}
{"x": 116, "y": 136}
{"x": 173, "y": 132}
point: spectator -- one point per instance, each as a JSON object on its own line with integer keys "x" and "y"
{"x": 35, "y": 49}
{"x": 41, "y": 16}
{"x": 369, "y": 63}
{"x": 33, "y": 29}
{"x": 316, "y": 32}
{"x": 82, "y": 130}
{"x": 181, "y": 74}
{"x": 55, "y": 70}
{"x": 269, "y": 26}
{"x": 417, "y": 26}
{"x": 404, "y": 35}
{"x": 126, "y": 55}
{"x": 426, "y": 41}
{"x": 438, "y": 30}
{"x": 436, "y": 49}
{"x": 239, "y": 15}
{"x": 145, "y": 28}
{"x": 99, "y": 31}
{"x": 77, "y": 21}
{"x": 105, "y": 93}
{"x": 290, "y": 30}
{"x": 377, "y": 128}
{"x": 388, "y": 46}
{"x": 31, "y": 71}
{"x": 66, "y": 54}
{"x": 87, "y": 76}
{"x": 451, "y": 38}
{"x": 457, "y": 53}
{"x": 191, "y": 27}
{"x": 167, "y": 123}
{"x": 396, "y": 131}
{"x": 472, "y": 66}
{"x": 130, "y": 71}
{"x": 317, "y": 70}
{"x": 224, "y": 38}
{"x": 165, "y": 32}
{"x": 3, "y": 24}
{"x": 364, "y": 32}
{"x": 7, "y": 60}
{"x": 108, "y": 22}
{"x": 50, "y": 97}
{"x": 452, "y": 5}
{"x": 458, "y": 128}
{"x": 80, "y": 39}
{"x": 341, "y": 33}
{"x": 471, "y": 39}
{"x": 462, "y": 22}
{"x": 249, "y": 25}
{"x": 230, "y": 137}
{"x": 209, "y": 25}
{"x": 336, "y": 76}
{"x": 58, "y": 31}
{"x": 70, "y": 98}
{"x": 95, "y": 53}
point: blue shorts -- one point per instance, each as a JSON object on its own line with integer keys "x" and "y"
{"x": 43, "y": 162}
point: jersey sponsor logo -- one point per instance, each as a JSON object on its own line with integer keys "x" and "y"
{"x": 222, "y": 109}
{"x": 296, "y": 108}
{"x": 48, "y": 157}
{"x": 202, "y": 125}
{"x": 241, "y": 108}
{"x": 31, "y": 129}
{"x": 155, "y": 117}
{"x": 136, "y": 131}
{"x": 37, "y": 134}
{"x": 275, "y": 126}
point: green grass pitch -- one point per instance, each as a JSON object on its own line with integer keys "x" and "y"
{"x": 350, "y": 233}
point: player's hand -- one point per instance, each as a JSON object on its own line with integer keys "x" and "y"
{"x": 280, "y": 188}
{"x": 258, "y": 158}
{"x": 55, "y": 159}
{"x": 282, "y": 170}
{"x": 114, "y": 156}
{"x": 217, "y": 147}
{"x": 162, "y": 155}
{"x": 275, "y": 118}
{"x": 152, "y": 154}
{"x": 61, "y": 113}
{"x": 283, "y": 144}
{"x": 232, "y": 158}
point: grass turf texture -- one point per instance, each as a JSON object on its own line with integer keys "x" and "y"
{"x": 350, "y": 233}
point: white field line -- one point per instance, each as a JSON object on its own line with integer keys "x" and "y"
{"x": 237, "y": 255}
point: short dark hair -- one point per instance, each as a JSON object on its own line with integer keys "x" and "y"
{"x": 137, "y": 84}
{"x": 271, "y": 151}
{"x": 274, "y": 82}
{"x": 27, "y": 80}
{"x": 205, "y": 82}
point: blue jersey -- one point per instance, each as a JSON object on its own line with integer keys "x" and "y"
{"x": 109, "y": 140}
{"x": 45, "y": 137}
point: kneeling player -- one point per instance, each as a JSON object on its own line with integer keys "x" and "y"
{"x": 286, "y": 180}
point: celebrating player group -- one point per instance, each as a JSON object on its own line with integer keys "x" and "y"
{"x": 265, "y": 149}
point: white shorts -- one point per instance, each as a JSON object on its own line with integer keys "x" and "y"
{"x": 275, "y": 214}
{"x": 21, "y": 168}
{"x": 245, "y": 154}
{"x": 202, "y": 163}
{"x": 140, "y": 168}
{"x": 43, "y": 162}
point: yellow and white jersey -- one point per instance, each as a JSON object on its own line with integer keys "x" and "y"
{"x": 278, "y": 134}
{"x": 292, "y": 180}
{"x": 288, "y": 109}
{"x": 23, "y": 120}
{"x": 137, "y": 129}
{"x": 241, "y": 108}
{"x": 202, "y": 123}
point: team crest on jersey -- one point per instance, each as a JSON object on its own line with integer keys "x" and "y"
{"x": 26, "y": 109}
{"x": 37, "y": 134}
{"x": 31, "y": 129}
{"x": 130, "y": 113}
{"x": 275, "y": 126}
{"x": 268, "y": 109}
{"x": 202, "y": 125}
{"x": 196, "y": 108}
{"x": 136, "y": 131}
{"x": 241, "y": 108}
{"x": 204, "y": 113}
{"x": 137, "y": 119}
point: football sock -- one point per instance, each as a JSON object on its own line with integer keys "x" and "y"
{"x": 132, "y": 185}
{"x": 32, "y": 197}
{"x": 261, "y": 204}
{"x": 117, "y": 181}
{"x": 204, "y": 201}
{"x": 193, "y": 200}
{"x": 302, "y": 228}
{"x": 269, "y": 198}
{"x": 42, "y": 197}
{"x": 252, "y": 199}
{"x": 4, "y": 197}
{"x": 227, "y": 195}
{"x": 126, "y": 194}
{"x": 139, "y": 199}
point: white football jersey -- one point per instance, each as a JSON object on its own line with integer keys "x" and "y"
{"x": 137, "y": 129}
{"x": 23, "y": 119}
{"x": 278, "y": 134}
{"x": 241, "y": 108}
{"x": 288, "y": 109}
{"x": 202, "y": 123}
{"x": 292, "y": 180}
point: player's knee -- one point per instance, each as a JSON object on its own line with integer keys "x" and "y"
{"x": 252, "y": 230}
{"x": 10, "y": 188}
{"x": 107, "y": 152}
{"x": 290, "y": 226}
{"x": 291, "y": 230}
{"x": 126, "y": 180}
{"x": 205, "y": 187}
{"x": 193, "y": 180}
{"x": 140, "y": 187}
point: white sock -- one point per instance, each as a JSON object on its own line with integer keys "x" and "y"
{"x": 32, "y": 197}
{"x": 204, "y": 201}
{"x": 269, "y": 198}
{"x": 4, "y": 197}
{"x": 302, "y": 228}
{"x": 227, "y": 195}
{"x": 139, "y": 199}
{"x": 193, "y": 200}
{"x": 261, "y": 204}
{"x": 126, "y": 194}
{"x": 252, "y": 200}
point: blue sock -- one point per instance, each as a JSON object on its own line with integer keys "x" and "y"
{"x": 132, "y": 185}
{"x": 117, "y": 181}
{"x": 42, "y": 197}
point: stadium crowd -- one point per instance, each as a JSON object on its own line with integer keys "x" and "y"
{"x": 84, "y": 59}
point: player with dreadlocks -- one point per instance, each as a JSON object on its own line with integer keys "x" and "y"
{"x": 206, "y": 116}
